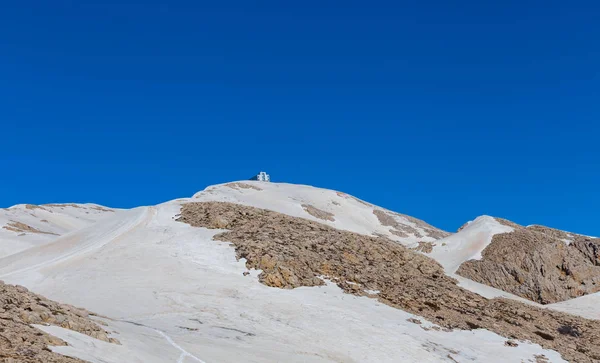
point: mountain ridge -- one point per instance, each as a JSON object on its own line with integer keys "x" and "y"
{"x": 163, "y": 284}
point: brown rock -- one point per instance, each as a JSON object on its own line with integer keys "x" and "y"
{"x": 414, "y": 321}
{"x": 388, "y": 219}
{"x": 293, "y": 252}
{"x": 537, "y": 263}
{"x": 20, "y": 227}
{"x": 425, "y": 247}
{"x": 20, "y": 342}
{"x": 318, "y": 213}
{"x": 242, "y": 186}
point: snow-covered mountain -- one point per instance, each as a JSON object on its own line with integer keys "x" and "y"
{"x": 26, "y": 225}
{"x": 336, "y": 209}
{"x": 536, "y": 262}
{"x": 169, "y": 292}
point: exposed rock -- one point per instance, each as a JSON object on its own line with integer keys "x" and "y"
{"x": 436, "y": 233}
{"x": 398, "y": 233}
{"x": 590, "y": 248}
{"x": 23, "y": 228}
{"x": 242, "y": 186}
{"x": 102, "y": 209}
{"x": 62, "y": 205}
{"x": 463, "y": 227}
{"x": 540, "y": 358}
{"x": 414, "y": 321}
{"x": 428, "y": 228}
{"x": 318, "y": 213}
{"x": 33, "y": 207}
{"x": 403, "y": 230}
{"x": 511, "y": 343}
{"x": 425, "y": 247}
{"x": 386, "y": 219}
{"x": 537, "y": 264}
{"x": 508, "y": 223}
{"x": 295, "y": 252}
{"x": 20, "y": 342}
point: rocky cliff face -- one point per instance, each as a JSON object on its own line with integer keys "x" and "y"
{"x": 538, "y": 263}
{"x": 20, "y": 342}
{"x": 295, "y": 252}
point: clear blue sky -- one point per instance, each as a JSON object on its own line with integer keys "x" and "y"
{"x": 444, "y": 110}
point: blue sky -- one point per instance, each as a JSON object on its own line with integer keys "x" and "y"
{"x": 441, "y": 110}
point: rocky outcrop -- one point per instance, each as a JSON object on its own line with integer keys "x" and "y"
{"x": 293, "y": 252}
{"x": 391, "y": 219}
{"x": 538, "y": 263}
{"x": 24, "y": 228}
{"x": 590, "y": 248}
{"x": 20, "y": 342}
{"x": 425, "y": 247}
{"x": 239, "y": 185}
{"x": 318, "y": 213}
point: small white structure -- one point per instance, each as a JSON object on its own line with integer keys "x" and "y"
{"x": 262, "y": 176}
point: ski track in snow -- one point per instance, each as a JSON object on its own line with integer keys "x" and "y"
{"x": 184, "y": 353}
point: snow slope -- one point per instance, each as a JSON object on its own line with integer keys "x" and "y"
{"x": 349, "y": 213}
{"x": 172, "y": 294}
{"x": 26, "y": 225}
{"x": 587, "y": 306}
{"x": 468, "y": 243}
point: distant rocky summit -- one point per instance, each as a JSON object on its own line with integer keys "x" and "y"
{"x": 538, "y": 263}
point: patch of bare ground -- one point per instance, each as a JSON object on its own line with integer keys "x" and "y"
{"x": 293, "y": 252}
{"x": 398, "y": 233}
{"x": 399, "y": 229}
{"x": 431, "y": 231}
{"x": 425, "y": 247}
{"x": 386, "y": 219}
{"x": 537, "y": 264}
{"x": 102, "y": 209}
{"x": 33, "y": 207}
{"x": 20, "y": 342}
{"x": 24, "y": 228}
{"x": 318, "y": 213}
{"x": 540, "y": 358}
{"x": 62, "y": 205}
{"x": 242, "y": 186}
{"x": 436, "y": 233}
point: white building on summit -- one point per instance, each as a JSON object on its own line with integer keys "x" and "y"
{"x": 262, "y": 176}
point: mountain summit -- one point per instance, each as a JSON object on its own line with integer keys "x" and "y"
{"x": 266, "y": 272}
